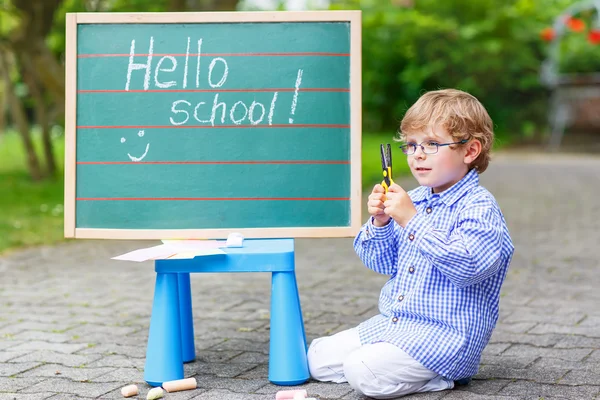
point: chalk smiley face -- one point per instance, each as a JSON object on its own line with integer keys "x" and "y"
{"x": 140, "y": 158}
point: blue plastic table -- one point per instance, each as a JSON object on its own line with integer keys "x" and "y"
{"x": 171, "y": 336}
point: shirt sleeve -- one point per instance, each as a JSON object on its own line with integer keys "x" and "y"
{"x": 469, "y": 253}
{"x": 377, "y": 247}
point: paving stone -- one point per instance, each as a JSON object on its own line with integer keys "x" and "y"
{"x": 511, "y": 361}
{"x": 493, "y": 349}
{"x": 570, "y": 342}
{"x": 67, "y": 386}
{"x": 524, "y": 314}
{"x": 519, "y": 350}
{"x": 60, "y": 371}
{"x": 54, "y": 337}
{"x": 586, "y": 376}
{"x": 223, "y": 394}
{"x": 240, "y": 345}
{"x": 57, "y": 327}
{"x": 591, "y": 332}
{"x": 114, "y": 349}
{"x": 594, "y": 356}
{"x": 109, "y": 330}
{"x": 131, "y": 375}
{"x": 69, "y": 360}
{"x": 546, "y": 362}
{"x": 8, "y": 343}
{"x": 251, "y": 358}
{"x": 25, "y": 396}
{"x": 95, "y": 338}
{"x": 117, "y": 361}
{"x": 531, "y": 390}
{"x": 543, "y": 375}
{"x": 515, "y": 327}
{"x": 261, "y": 371}
{"x": 48, "y": 346}
{"x": 8, "y": 355}
{"x": 323, "y": 329}
{"x": 16, "y": 384}
{"x": 10, "y": 369}
{"x": 483, "y": 387}
{"x": 525, "y": 338}
{"x": 223, "y": 370}
{"x": 208, "y": 356}
{"x": 235, "y": 385}
{"x": 464, "y": 395}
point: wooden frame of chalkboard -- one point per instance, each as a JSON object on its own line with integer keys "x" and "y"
{"x": 99, "y": 200}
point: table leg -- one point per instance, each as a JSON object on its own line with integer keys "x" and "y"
{"x": 163, "y": 355}
{"x": 187, "y": 318}
{"x": 288, "y": 364}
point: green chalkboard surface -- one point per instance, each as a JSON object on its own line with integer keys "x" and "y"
{"x": 196, "y": 125}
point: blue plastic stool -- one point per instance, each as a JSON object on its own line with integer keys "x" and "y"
{"x": 171, "y": 336}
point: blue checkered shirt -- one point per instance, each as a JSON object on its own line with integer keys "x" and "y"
{"x": 447, "y": 265}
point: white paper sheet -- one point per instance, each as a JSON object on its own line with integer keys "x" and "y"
{"x": 181, "y": 249}
{"x": 174, "y": 249}
{"x": 149, "y": 253}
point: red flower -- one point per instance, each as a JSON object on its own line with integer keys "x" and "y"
{"x": 547, "y": 34}
{"x": 594, "y": 36}
{"x": 575, "y": 24}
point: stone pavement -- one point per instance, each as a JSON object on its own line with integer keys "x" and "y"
{"x": 74, "y": 324}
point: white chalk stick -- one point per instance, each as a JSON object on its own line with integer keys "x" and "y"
{"x": 155, "y": 393}
{"x": 291, "y": 394}
{"x": 180, "y": 384}
{"x": 129, "y": 391}
{"x": 235, "y": 239}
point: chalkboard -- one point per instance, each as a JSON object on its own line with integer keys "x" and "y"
{"x": 196, "y": 125}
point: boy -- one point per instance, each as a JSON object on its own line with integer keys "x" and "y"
{"x": 447, "y": 249}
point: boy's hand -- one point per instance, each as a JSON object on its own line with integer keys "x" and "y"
{"x": 398, "y": 205}
{"x": 376, "y": 208}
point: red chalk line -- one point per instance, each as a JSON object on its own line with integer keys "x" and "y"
{"x": 308, "y": 162}
{"x": 218, "y": 90}
{"x": 296, "y": 54}
{"x": 211, "y": 127}
{"x": 212, "y": 198}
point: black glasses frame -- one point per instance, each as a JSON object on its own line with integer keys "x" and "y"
{"x": 411, "y": 148}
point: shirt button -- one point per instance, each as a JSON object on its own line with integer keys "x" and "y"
{"x": 428, "y": 210}
{"x": 411, "y": 237}
{"x": 401, "y": 297}
{"x": 395, "y": 319}
{"x": 411, "y": 270}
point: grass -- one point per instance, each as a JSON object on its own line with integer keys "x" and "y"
{"x": 31, "y": 213}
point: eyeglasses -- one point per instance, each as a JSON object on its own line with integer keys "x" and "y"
{"x": 429, "y": 147}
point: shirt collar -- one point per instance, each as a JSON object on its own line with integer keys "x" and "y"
{"x": 453, "y": 193}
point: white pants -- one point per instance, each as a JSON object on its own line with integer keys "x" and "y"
{"x": 378, "y": 370}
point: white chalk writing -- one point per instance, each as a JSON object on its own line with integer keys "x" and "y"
{"x": 217, "y": 111}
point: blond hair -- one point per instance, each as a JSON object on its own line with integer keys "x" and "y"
{"x": 460, "y": 113}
